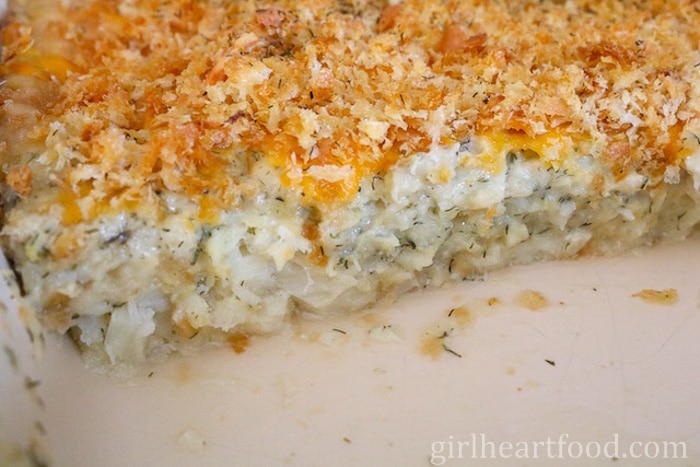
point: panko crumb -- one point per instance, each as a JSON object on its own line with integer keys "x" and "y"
{"x": 239, "y": 342}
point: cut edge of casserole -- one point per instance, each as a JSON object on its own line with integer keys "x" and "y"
{"x": 185, "y": 173}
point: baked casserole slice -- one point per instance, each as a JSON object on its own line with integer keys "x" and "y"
{"x": 179, "y": 173}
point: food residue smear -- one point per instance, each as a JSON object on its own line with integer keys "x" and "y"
{"x": 461, "y": 316}
{"x": 532, "y": 300}
{"x": 435, "y": 340}
{"x": 660, "y": 297}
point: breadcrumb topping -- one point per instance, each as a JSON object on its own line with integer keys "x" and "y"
{"x": 117, "y": 101}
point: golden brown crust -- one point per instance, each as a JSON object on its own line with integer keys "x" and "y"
{"x": 155, "y": 96}
{"x": 19, "y": 178}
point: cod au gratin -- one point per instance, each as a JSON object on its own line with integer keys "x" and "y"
{"x": 182, "y": 172}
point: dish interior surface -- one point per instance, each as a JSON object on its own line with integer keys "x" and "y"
{"x": 563, "y": 350}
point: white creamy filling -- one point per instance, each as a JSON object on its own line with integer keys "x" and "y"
{"x": 433, "y": 217}
{"x": 692, "y": 165}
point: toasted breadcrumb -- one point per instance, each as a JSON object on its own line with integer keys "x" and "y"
{"x": 179, "y": 96}
{"x": 19, "y": 178}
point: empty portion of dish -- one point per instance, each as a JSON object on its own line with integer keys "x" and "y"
{"x": 185, "y": 174}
